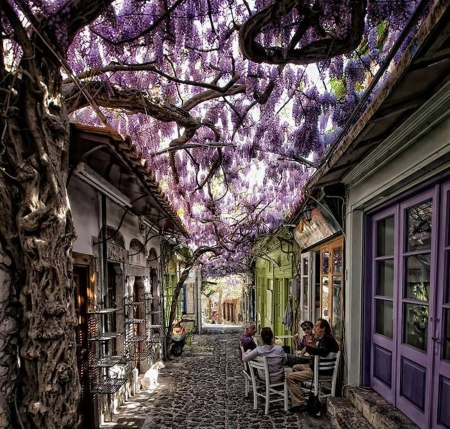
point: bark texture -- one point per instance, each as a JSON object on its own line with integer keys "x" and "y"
{"x": 37, "y": 314}
{"x": 321, "y": 49}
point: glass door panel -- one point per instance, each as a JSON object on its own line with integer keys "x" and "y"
{"x": 384, "y": 276}
{"x": 384, "y": 317}
{"x": 305, "y": 287}
{"x": 337, "y": 260}
{"x": 336, "y": 292}
{"x": 331, "y": 284}
{"x": 417, "y": 279}
{"x": 418, "y": 233}
{"x": 441, "y": 323}
{"x": 325, "y": 283}
{"x": 325, "y": 297}
{"x": 446, "y": 305}
{"x": 414, "y": 361}
{"x": 446, "y": 345}
{"x": 336, "y": 317}
{"x": 415, "y": 325}
{"x": 385, "y": 237}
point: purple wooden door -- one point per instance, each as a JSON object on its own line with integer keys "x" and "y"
{"x": 410, "y": 311}
{"x": 441, "y": 331}
{"x": 418, "y": 239}
{"x": 384, "y": 273}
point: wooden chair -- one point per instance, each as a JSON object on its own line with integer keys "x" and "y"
{"x": 324, "y": 385}
{"x": 246, "y": 373}
{"x": 271, "y": 392}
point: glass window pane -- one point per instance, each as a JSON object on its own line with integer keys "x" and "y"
{"x": 446, "y": 347}
{"x": 337, "y": 260}
{"x": 385, "y": 237}
{"x": 418, "y": 277}
{"x": 325, "y": 313}
{"x": 384, "y": 318}
{"x": 415, "y": 329}
{"x": 337, "y": 311}
{"x": 385, "y": 278}
{"x": 305, "y": 296}
{"x": 447, "y": 277}
{"x": 447, "y": 224}
{"x": 418, "y": 231}
{"x": 325, "y": 262}
{"x": 305, "y": 262}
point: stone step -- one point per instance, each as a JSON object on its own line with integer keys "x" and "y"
{"x": 363, "y": 408}
{"x": 344, "y": 415}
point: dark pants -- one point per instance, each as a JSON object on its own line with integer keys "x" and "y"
{"x": 292, "y": 360}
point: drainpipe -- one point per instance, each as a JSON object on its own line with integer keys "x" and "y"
{"x": 104, "y": 252}
{"x": 198, "y": 276}
{"x": 161, "y": 295}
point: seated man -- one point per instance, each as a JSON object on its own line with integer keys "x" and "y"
{"x": 273, "y": 352}
{"x": 325, "y": 344}
{"x": 246, "y": 341}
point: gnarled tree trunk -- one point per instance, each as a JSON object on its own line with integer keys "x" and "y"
{"x": 37, "y": 313}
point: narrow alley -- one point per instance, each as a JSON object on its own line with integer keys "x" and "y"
{"x": 204, "y": 388}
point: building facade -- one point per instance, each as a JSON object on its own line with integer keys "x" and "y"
{"x": 394, "y": 164}
{"x": 120, "y": 217}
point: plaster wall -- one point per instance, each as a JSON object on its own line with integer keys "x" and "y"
{"x": 85, "y": 202}
{"x": 422, "y": 160}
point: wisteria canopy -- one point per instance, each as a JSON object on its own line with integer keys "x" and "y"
{"x": 231, "y": 103}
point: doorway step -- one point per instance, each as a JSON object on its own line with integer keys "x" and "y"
{"x": 363, "y": 408}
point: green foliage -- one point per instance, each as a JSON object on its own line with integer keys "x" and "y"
{"x": 382, "y": 32}
{"x": 338, "y": 87}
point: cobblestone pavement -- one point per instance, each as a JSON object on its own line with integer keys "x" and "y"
{"x": 204, "y": 388}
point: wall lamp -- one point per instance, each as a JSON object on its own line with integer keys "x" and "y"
{"x": 307, "y": 213}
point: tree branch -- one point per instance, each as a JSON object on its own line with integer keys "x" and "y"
{"x": 317, "y": 50}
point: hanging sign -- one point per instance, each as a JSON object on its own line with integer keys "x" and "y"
{"x": 317, "y": 229}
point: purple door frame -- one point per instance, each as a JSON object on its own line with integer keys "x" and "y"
{"x": 414, "y": 366}
{"x": 441, "y": 335}
{"x": 416, "y": 381}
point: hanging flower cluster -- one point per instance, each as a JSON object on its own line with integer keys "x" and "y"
{"x": 231, "y": 103}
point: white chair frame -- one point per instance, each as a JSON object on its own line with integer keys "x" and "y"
{"x": 271, "y": 392}
{"x": 247, "y": 376}
{"x": 327, "y": 363}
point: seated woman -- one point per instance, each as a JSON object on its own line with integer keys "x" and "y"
{"x": 274, "y": 353}
{"x": 300, "y": 345}
{"x": 307, "y": 339}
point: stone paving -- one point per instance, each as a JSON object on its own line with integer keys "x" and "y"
{"x": 204, "y": 388}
